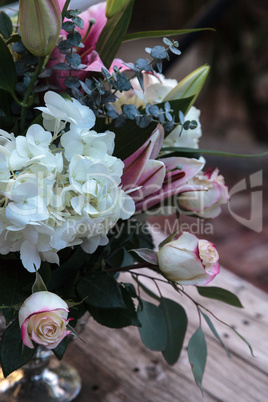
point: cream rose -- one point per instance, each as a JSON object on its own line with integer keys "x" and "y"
{"x": 188, "y": 260}
{"x": 43, "y": 319}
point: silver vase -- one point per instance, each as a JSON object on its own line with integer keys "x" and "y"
{"x": 42, "y": 379}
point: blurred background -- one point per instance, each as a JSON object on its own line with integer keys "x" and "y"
{"x": 234, "y": 109}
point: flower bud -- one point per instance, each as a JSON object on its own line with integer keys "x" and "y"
{"x": 188, "y": 260}
{"x": 40, "y": 24}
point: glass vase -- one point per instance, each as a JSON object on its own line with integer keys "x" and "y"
{"x": 42, "y": 379}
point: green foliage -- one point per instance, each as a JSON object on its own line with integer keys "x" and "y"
{"x": 216, "y": 293}
{"x": 5, "y": 25}
{"x": 117, "y": 317}
{"x": 112, "y": 34}
{"x": 130, "y": 137}
{"x": 153, "y": 330}
{"x": 160, "y": 34}
{"x": 197, "y": 352}
{"x": 176, "y": 324}
{"x": 101, "y": 290}
{"x": 13, "y": 355}
{"x": 112, "y": 6}
{"x": 213, "y": 330}
{"x": 61, "y": 348}
{"x": 8, "y": 77}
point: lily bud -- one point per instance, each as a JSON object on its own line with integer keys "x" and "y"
{"x": 191, "y": 85}
{"x": 40, "y": 24}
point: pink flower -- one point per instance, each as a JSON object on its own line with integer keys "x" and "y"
{"x": 150, "y": 181}
{"x": 188, "y": 260}
{"x": 205, "y": 203}
{"x": 88, "y": 54}
{"x": 43, "y": 319}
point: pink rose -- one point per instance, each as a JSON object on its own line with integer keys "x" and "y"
{"x": 43, "y": 319}
{"x": 188, "y": 260}
{"x": 206, "y": 203}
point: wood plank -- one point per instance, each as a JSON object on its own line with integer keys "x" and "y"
{"x": 115, "y": 366}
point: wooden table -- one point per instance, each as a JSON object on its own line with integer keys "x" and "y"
{"x": 115, "y": 366}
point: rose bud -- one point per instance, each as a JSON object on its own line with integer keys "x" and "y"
{"x": 188, "y": 260}
{"x": 205, "y": 203}
{"x": 43, "y": 319}
{"x": 40, "y": 24}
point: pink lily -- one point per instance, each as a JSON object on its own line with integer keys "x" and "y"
{"x": 88, "y": 54}
{"x": 150, "y": 181}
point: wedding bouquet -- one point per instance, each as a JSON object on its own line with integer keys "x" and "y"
{"x": 89, "y": 146}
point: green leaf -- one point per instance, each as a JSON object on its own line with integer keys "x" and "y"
{"x": 190, "y": 86}
{"x": 116, "y": 318}
{"x": 8, "y": 76}
{"x": 153, "y": 330}
{"x": 130, "y": 137}
{"x": 216, "y": 293}
{"x": 180, "y": 151}
{"x": 12, "y": 346}
{"x": 213, "y": 330}
{"x": 39, "y": 284}
{"x": 100, "y": 289}
{"x": 5, "y": 25}
{"x": 160, "y": 34}
{"x": 112, "y": 34}
{"x": 197, "y": 352}
{"x": 61, "y": 348}
{"x": 112, "y": 6}
{"x": 147, "y": 255}
{"x": 176, "y": 324}
{"x": 244, "y": 340}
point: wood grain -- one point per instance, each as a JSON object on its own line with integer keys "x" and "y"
{"x": 115, "y": 366}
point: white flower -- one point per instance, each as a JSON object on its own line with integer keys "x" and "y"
{"x": 185, "y": 138}
{"x": 188, "y": 260}
{"x": 43, "y": 319}
{"x": 205, "y": 203}
{"x": 59, "y": 111}
{"x": 55, "y": 196}
{"x": 156, "y": 87}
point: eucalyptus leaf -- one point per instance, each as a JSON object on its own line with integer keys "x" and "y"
{"x": 113, "y": 33}
{"x": 213, "y": 330}
{"x": 8, "y": 77}
{"x": 153, "y": 330}
{"x": 176, "y": 324}
{"x": 197, "y": 353}
{"x": 12, "y": 346}
{"x": 130, "y": 137}
{"x": 213, "y": 292}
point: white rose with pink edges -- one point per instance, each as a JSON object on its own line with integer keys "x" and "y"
{"x": 43, "y": 320}
{"x": 188, "y": 260}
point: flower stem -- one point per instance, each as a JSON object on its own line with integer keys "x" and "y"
{"x": 25, "y": 103}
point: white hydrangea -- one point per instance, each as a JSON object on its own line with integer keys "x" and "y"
{"x": 59, "y": 193}
{"x": 156, "y": 87}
